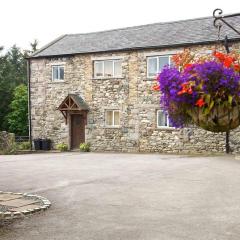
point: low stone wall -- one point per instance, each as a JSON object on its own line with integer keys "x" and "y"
{"x": 7, "y": 140}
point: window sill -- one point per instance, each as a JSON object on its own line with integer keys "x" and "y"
{"x": 166, "y": 128}
{"x": 106, "y": 78}
{"x": 150, "y": 79}
{"x": 112, "y": 127}
{"x": 58, "y": 81}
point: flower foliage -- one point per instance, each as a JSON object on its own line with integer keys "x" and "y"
{"x": 199, "y": 83}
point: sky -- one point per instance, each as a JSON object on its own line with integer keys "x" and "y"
{"x": 22, "y": 21}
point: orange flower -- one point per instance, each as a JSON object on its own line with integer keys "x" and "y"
{"x": 176, "y": 59}
{"x": 228, "y": 61}
{"x": 237, "y": 67}
{"x": 190, "y": 91}
{"x": 186, "y": 88}
{"x": 219, "y": 56}
{"x": 156, "y": 88}
{"x": 200, "y": 102}
{"x": 188, "y": 65}
{"x": 225, "y": 59}
{"x": 182, "y": 92}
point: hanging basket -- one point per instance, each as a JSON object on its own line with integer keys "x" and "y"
{"x": 218, "y": 120}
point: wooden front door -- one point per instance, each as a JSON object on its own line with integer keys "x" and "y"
{"x": 77, "y": 130}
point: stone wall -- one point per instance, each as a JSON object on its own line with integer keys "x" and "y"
{"x": 130, "y": 94}
{"x": 7, "y": 141}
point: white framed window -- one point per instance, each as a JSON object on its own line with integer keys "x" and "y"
{"x": 163, "y": 119}
{"x": 57, "y": 73}
{"x": 112, "y": 118}
{"x": 156, "y": 63}
{"x": 107, "y": 68}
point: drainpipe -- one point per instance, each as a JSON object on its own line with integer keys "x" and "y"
{"x": 29, "y": 101}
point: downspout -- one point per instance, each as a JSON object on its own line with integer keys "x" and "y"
{"x": 29, "y": 101}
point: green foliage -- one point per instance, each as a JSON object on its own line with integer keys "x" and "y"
{"x": 84, "y": 147}
{"x": 62, "y": 147}
{"x": 24, "y": 146}
{"x": 17, "y": 119}
{"x": 13, "y": 72}
{"x": 34, "y": 48}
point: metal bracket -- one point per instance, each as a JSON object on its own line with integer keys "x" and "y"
{"x": 219, "y": 19}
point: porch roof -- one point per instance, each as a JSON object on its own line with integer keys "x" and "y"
{"x": 73, "y": 102}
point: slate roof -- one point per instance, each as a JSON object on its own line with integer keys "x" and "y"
{"x": 178, "y": 33}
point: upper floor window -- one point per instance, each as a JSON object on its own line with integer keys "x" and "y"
{"x": 108, "y": 68}
{"x": 162, "y": 119}
{"x": 57, "y": 73}
{"x": 112, "y": 118}
{"x": 155, "y": 64}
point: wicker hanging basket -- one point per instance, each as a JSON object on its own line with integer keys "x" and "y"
{"x": 218, "y": 120}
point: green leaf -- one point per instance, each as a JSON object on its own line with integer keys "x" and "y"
{"x": 230, "y": 98}
{"x": 208, "y": 109}
{"x": 211, "y": 105}
{"x": 207, "y": 98}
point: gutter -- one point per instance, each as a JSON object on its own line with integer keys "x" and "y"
{"x": 29, "y": 102}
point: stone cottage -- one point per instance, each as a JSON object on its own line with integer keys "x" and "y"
{"x": 96, "y": 88}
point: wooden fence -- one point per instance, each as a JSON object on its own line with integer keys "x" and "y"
{"x": 20, "y": 139}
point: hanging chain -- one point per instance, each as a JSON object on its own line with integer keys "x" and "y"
{"x": 219, "y": 31}
{"x": 218, "y": 41}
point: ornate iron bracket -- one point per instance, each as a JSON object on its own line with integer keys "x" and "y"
{"x": 219, "y": 19}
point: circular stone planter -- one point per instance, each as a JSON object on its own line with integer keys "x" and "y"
{"x": 17, "y": 205}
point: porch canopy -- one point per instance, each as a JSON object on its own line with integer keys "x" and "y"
{"x": 72, "y": 104}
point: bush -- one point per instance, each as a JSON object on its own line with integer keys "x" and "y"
{"x": 24, "y": 146}
{"x": 17, "y": 119}
{"x": 84, "y": 147}
{"x": 62, "y": 147}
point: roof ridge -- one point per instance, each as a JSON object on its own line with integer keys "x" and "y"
{"x": 48, "y": 45}
{"x": 142, "y": 25}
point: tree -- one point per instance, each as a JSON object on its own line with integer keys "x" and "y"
{"x": 17, "y": 119}
{"x": 13, "y": 72}
{"x": 5, "y": 90}
{"x": 34, "y": 45}
{"x": 34, "y": 48}
{"x": 17, "y": 63}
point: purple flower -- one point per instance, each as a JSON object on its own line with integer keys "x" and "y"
{"x": 208, "y": 78}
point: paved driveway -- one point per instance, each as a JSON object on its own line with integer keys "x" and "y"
{"x": 126, "y": 196}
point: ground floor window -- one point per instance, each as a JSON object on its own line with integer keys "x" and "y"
{"x": 112, "y": 118}
{"x": 162, "y": 119}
